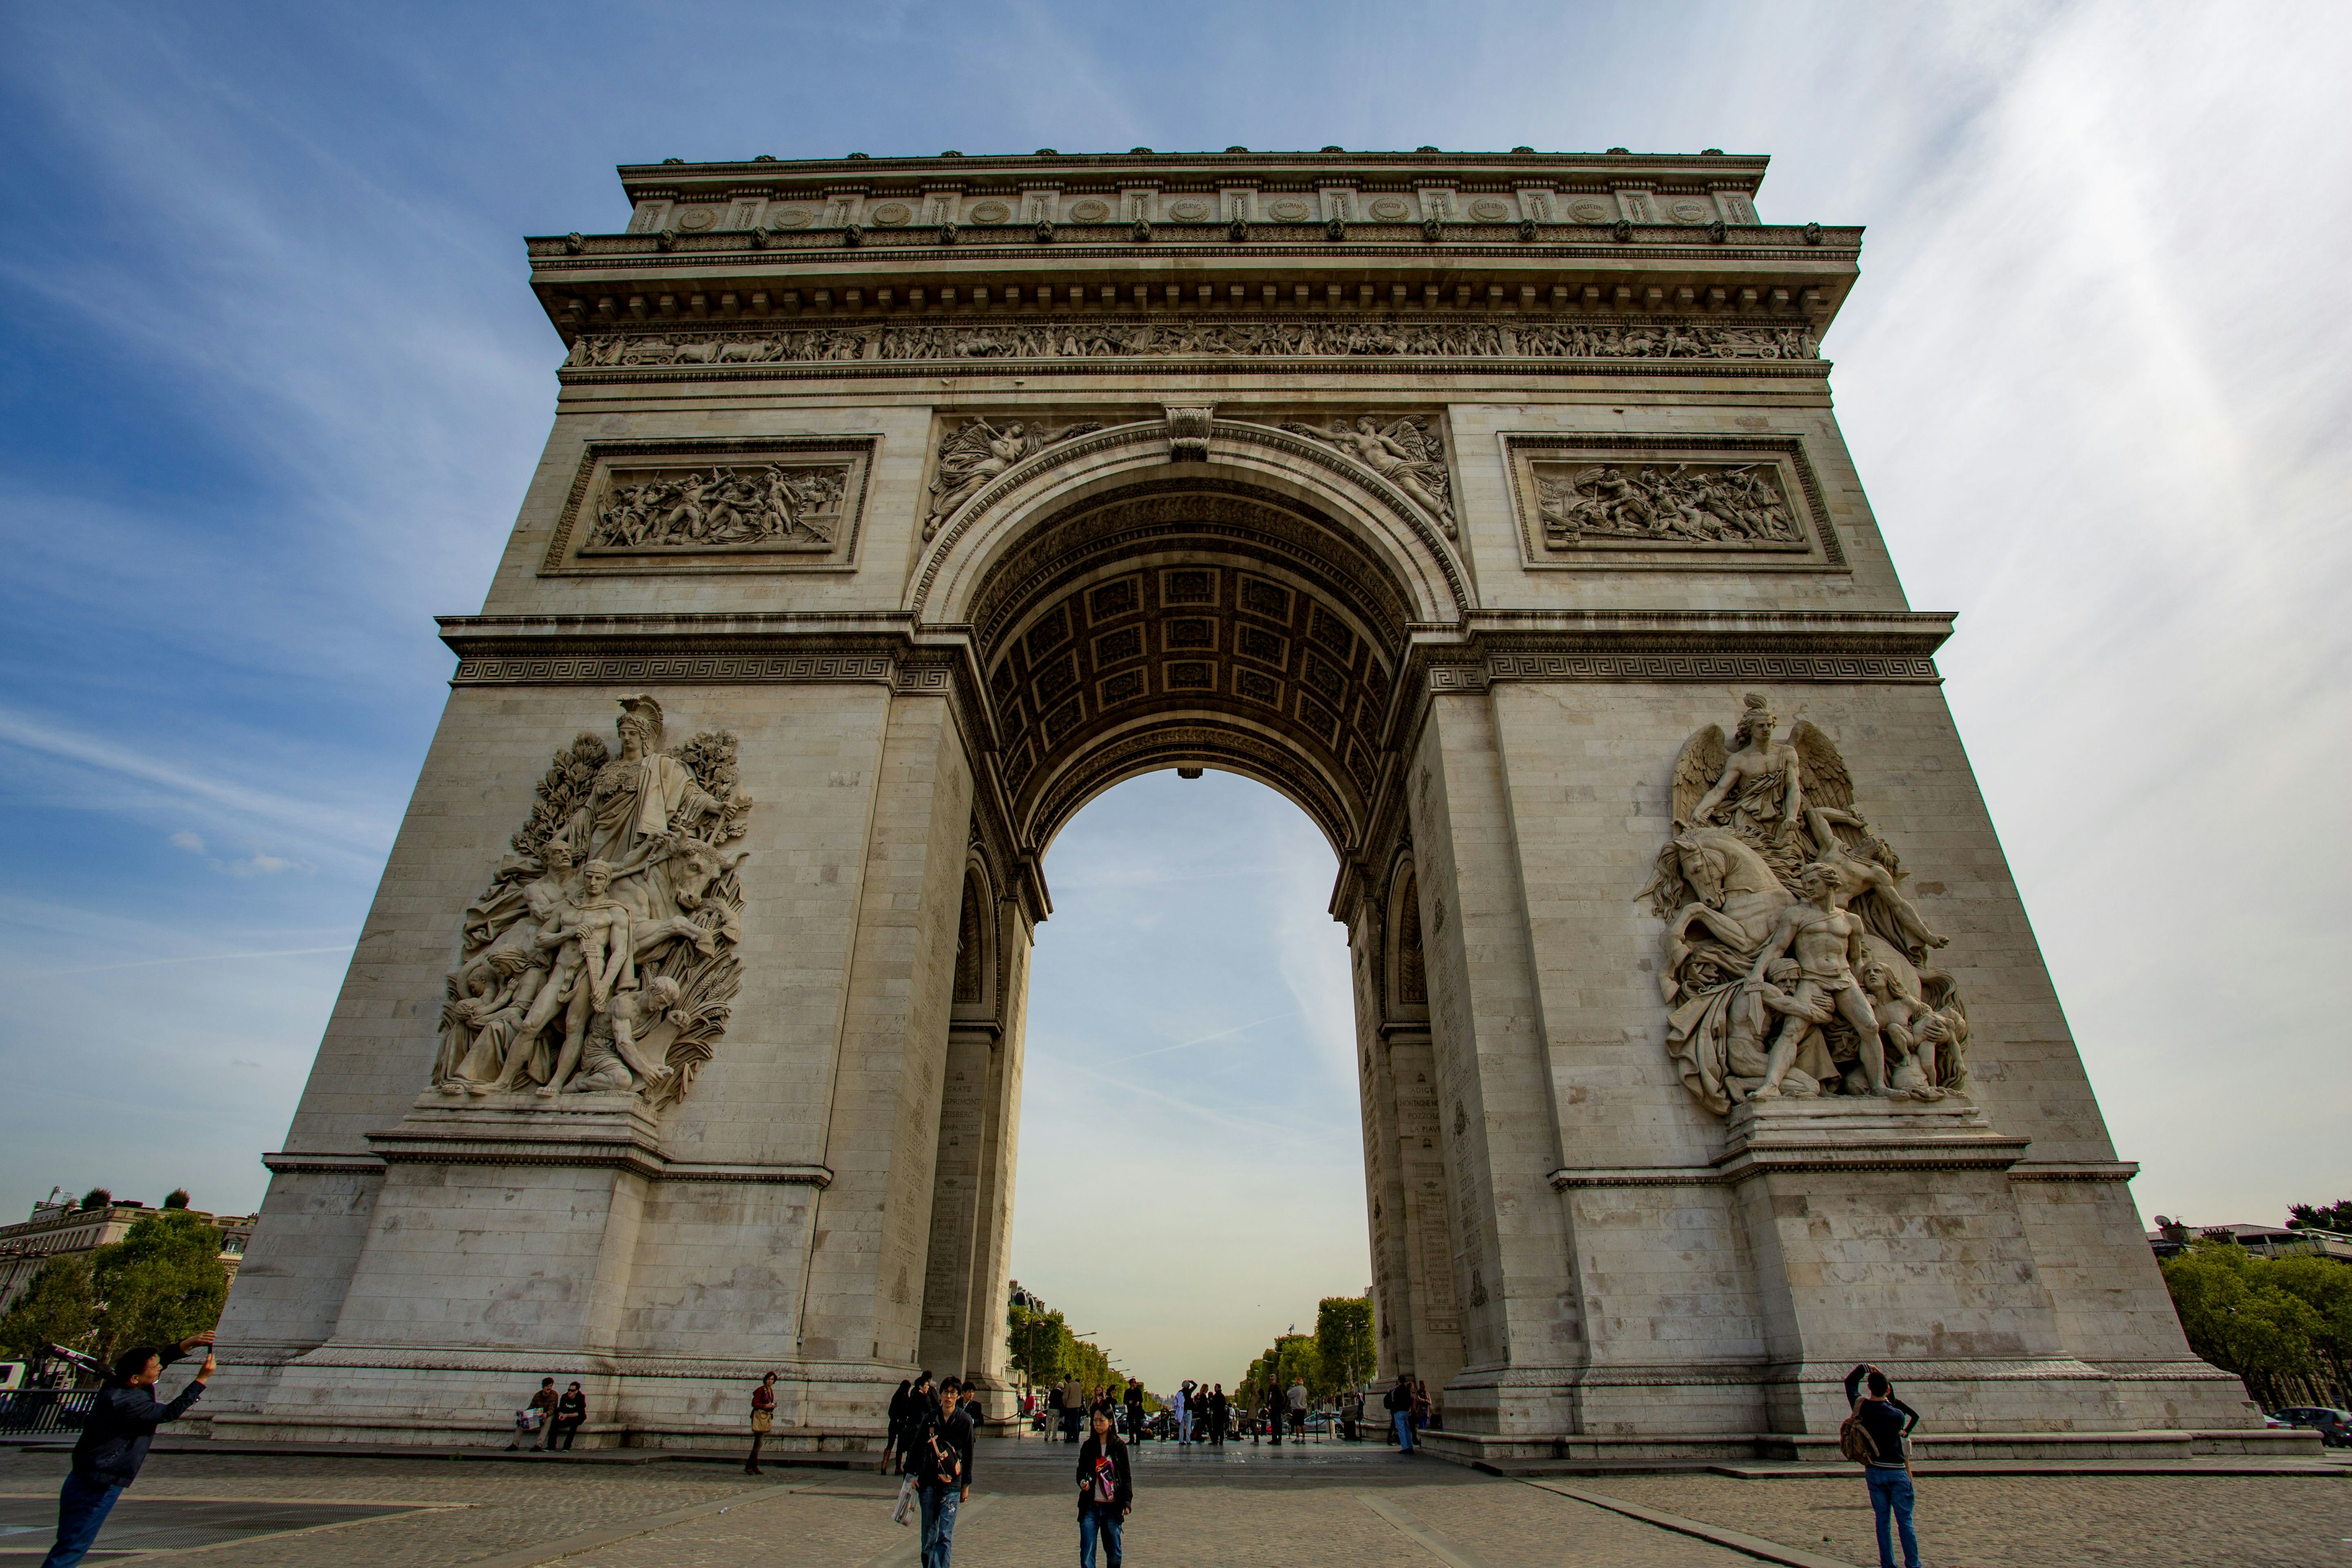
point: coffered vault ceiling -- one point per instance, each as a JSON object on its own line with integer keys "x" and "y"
{"x": 1200, "y": 625}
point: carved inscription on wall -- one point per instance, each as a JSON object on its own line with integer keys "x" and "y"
{"x": 747, "y": 504}
{"x": 1620, "y": 502}
{"x": 1795, "y": 962}
{"x": 1181, "y": 338}
{"x": 601, "y": 958}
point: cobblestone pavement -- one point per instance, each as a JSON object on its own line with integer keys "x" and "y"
{"x": 1320, "y": 1510}
{"x": 2032, "y": 1521}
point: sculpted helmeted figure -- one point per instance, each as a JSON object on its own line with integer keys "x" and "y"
{"x": 1794, "y": 963}
{"x": 602, "y": 957}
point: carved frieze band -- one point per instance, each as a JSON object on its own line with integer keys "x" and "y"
{"x": 1673, "y": 346}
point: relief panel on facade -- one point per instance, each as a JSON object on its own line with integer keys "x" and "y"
{"x": 1794, "y": 962}
{"x": 601, "y": 958}
{"x": 1749, "y": 503}
{"x": 782, "y": 504}
{"x": 1184, "y": 337}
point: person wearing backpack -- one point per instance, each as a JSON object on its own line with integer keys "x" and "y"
{"x": 939, "y": 1458}
{"x": 1876, "y": 1434}
{"x": 1106, "y": 1492}
{"x": 1400, "y": 1408}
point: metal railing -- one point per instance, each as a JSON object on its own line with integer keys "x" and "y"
{"x": 30, "y": 1412}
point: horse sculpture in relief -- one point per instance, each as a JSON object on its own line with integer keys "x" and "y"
{"x": 1761, "y": 823}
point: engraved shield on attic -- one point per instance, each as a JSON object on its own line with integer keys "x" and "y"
{"x": 601, "y": 958}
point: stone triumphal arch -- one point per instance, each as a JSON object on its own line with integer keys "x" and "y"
{"x": 1491, "y": 508}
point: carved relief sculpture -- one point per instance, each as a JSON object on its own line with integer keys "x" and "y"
{"x": 770, "y": 507}
{"x": 601, "y": 956}
{"x": 975, "y": 452}
{"x": 1211, "y": 339}
{"x": 1405, "y": 452}
{"x": 1794, "y": 963}
{"x": 1689, "y": 503}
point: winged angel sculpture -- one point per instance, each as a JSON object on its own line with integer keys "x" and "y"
{"x": 977, "y": 453}
{"x": 602, "y": 957}
{"x": 1795, "y": 964}
{"x": 1405, "y": 452}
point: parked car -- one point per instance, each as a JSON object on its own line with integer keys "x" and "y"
{"x": 2334, "y": 1425}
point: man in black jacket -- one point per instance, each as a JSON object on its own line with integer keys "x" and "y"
{"x": 1888, "y": 1421}
{"x": 938, "y": 1456}
{"x": 106, "y": 1456}
{"x": 1106, "y": 1492}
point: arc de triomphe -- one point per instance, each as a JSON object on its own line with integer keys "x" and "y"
{"x": 1491, "y": 508}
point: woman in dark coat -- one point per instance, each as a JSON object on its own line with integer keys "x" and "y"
{"x": 1106, "y": 1491}
{"x": 896, "y": 1441}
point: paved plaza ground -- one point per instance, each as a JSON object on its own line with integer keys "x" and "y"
{"x": 1334, "y": 1504}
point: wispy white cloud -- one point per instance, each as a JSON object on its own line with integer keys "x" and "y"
{"x": 179, "y": 789}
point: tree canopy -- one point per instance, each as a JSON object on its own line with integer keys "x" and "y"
{"x": 161, "y": 1283}
{"x": 59, "y": 1307}
{"x": 2335, "y": 1217}
{"x": 2284, "y": 1325}
{"x": 1043, "y": 1349}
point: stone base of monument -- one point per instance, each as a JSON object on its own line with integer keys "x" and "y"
{"x": 1898, "y": 1233}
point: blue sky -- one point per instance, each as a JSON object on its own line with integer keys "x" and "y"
{"x": 271, "y": 386}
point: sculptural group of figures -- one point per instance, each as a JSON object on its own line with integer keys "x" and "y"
{"x": 602, "y": 957}
{"x": 1712, "y": 505}
{"x": 1158, "y": 339}
{"x": 772, "y": 505}
{"x": 1795, "y": 963}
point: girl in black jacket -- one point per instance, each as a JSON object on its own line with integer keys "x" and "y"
{"x": 1106, "y": 1491}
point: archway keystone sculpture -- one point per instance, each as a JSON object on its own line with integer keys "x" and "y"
{"x": 1682, "y": 1090}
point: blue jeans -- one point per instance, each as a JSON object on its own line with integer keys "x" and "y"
{"x": 939, "y": 1505}
{"x": 1094, "y": 1522}
{"x": 82, "y": 1507}
{"x": 1403, "y": 1421}
{"x": 1890, "y": 1492}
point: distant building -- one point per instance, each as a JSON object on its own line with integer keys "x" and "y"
{"x": 2171, "y": 1238}
{"x": 61, "y": 1225}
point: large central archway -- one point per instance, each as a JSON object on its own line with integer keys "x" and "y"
{"x": 1249, "y": 609}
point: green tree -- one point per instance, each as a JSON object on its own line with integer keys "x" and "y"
{"x": 2240, "y": 1313}
{"x": 2335, "y": 1217}
{"x": 59, "y": 1307}
{"x": 161, "y": 1283}
{"x": 96, "y": 1198}
{"x": 2325, "y": 1286}
{"x": 176, "y": 1199}
{"x": 1343, "y": 1339}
